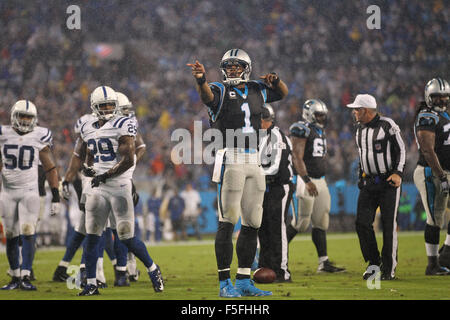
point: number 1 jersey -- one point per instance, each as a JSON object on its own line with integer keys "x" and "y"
{"x": 20, "y": 156}
{"x": 103, "y": 143}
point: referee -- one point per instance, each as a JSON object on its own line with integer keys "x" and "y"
{"x": 382, "y": 159}
{"x": 276, "y": 160}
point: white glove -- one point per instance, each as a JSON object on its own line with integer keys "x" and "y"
{"x": 55, "y": 208}
{"x": 65, "y": 190}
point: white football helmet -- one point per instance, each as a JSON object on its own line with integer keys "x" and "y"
{"x": 311, "y": 107}
{"x": 23, "y": 108}
{"x": 104, "y": 95}
{"x": 234, "y": 56}
{"x": 125, "y": 105}
{"x": 437, "y": 87}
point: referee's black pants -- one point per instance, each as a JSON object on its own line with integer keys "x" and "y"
{"x": 274, "y": 245}
{"x": 373, "y": 195}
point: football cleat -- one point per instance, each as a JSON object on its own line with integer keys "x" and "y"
{"x": 12, "y": 285}
{"x": 386, "y": 276}
{"x": 25, "y": 284}
{"x": 329, "y": 267}
{"x": 89, "y": 290}
{"x": 101, "y": 285}
{"x": 134, "y": 277}
{"x": 122, "y": 279}
{"x": 227, "y": 290}
{"x": 246, "y": 287}
{"x": 157, "y": 279}
{"x": 60, "y": 274}
{"x": 436, "y": 270}
{"x": 444, "y": 256}
{"x": 370, "y": 271}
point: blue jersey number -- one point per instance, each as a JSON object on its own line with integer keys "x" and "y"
{"x": 19, "y": 160}
{"x": 104, "y": 147}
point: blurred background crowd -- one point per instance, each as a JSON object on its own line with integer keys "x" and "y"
{"x": 321, "y": 49}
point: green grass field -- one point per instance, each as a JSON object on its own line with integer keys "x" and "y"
{"x": 189, "y": 270}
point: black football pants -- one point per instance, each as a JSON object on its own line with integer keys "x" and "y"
{"x": 371, "y": 197}
{"x": 273, "y": 240}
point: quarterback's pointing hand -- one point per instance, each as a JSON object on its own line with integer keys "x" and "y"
{"x": 198, "y": 70}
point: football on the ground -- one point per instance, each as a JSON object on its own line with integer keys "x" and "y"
{"x": 264, "y": 275}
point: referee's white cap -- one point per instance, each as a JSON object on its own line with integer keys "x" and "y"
{"x": 364, "y": 101}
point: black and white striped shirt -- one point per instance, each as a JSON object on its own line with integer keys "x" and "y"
{"x": 381, "y": 147}
{"x": 276, "y": 156}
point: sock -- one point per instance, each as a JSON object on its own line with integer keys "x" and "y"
{"x": 323, "y": 259}
{"x": 109, "y": 245}
{"x": 100, "y": 272}
{"x": 140, "y": 251}
{"x": 74, "y": 244}
{"x": 92, "y": 241}
{"x": 224, "y": 249}
{"x": 83, "y": 255}
{"x": 131, "y": 264}
{"x": 319, "y": 238}
{"x": 25, "y": 273}
{"x": 432, "y": 240}
{"x": 12, "y": 252}
{"x": 63, "y": 263}
{"x": 120, "y": 250}
{"x": 151, "y": 268}
{"x": 27, "y": 252}
{"x": 245, "y": 251}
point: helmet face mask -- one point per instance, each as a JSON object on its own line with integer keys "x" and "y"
{"x": 104, "y": 103}
{"x": 437, "y": 94}
{"x": 229, "y": 66}
{"x": 125, "y": 106}
{"x": 315, "y": 111}
{"x": 23, "y": 116}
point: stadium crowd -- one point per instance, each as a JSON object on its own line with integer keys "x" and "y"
{"x": 321, "y": 49}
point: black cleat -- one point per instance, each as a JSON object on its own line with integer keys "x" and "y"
{"x": 12, "y": 285}
{"x": 134, "y": 277}
{"x": 101, "y": 285}
{"x": 25, "y": 284}
{"x": 385, "y": 276}
{"x": 444, "y": 256}
{"x": 60, "y": 274}
{"x": 157, "y": 279}
{"x": 122, "y": 279}
{"x": 89, "y": 290}
{"x": 371, "y": 270}
{"x": 329, "y": 267}
{"x": 436, "y": 270}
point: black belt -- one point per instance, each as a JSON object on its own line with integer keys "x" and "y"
{"x": 376, "y": 179}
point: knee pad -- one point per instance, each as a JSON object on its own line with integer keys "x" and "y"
{"x": 27, "y": 229}
{"x": 303, "y": 223}
{"x": 124, "y": 230}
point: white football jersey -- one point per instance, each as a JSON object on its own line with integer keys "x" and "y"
{"x": 84, "y": 118}
{"x": 103, "y": 142}
{"x": 20, "y": 155}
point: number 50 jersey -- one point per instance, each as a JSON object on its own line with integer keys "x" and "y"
{"x": 103, "y": 143}
{"x": 20, "y": 156}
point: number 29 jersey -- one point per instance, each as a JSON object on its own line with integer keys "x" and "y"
{"x": 20, "y": 156}
{"x": 103, "y": 143}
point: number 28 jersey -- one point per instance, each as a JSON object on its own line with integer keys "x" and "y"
{"x": 103, "y": 142}
{"x": 20, "y": 156}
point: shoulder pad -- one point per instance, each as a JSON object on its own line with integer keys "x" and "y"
{"x": 45, "y": 135}
{"x": 119, "y": 121}
{"x": 427, "y": 119}
{"x": 300, "y": 129}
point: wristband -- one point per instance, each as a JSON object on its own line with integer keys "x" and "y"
{"x": 55, "y": 194}
{"x": 306, "y": 178}
{"x": 201, "y": 80}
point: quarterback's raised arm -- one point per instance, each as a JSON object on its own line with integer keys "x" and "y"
{"x": 199, "y": 73}
{"x": 274, "y": 82}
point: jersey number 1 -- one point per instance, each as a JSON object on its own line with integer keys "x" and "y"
{"x": 247, "y": 128}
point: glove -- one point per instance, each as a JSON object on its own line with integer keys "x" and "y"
{"x": 445, "y": 186}
{"x": 55, "y": 209}
{"x": 101, "y": 178}
{"x": 65, "y": 190}
{"x": 88, "y": 171}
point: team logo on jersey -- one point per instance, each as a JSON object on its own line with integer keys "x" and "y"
{"x": 232, "y": 95}
{"x": 378, "y": 146}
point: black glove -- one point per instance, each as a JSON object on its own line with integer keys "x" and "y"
{"x": 88, "y": 171}
{"x": 445, "y": 186}
{"x": 134, "y": 194}
{"x": 101, "y": 178}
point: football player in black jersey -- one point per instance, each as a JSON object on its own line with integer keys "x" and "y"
{"x": 235, "y": 107}
{"x": 432, "y": 130}
{"x": 314, "y": 201}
